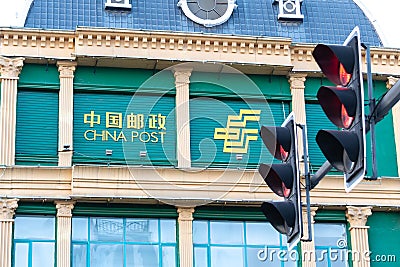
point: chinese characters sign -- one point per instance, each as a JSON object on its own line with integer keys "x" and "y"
{"x": 135, "y": 127}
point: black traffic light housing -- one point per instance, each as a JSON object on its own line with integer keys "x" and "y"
{"x": 344, "y": 106}
{"x": 284, "y": 180}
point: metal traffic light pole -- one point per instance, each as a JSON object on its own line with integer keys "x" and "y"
{"x": 371, "y": 117}
{"x": 303, "y": 128}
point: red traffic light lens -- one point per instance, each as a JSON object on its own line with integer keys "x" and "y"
{"x": 344, "y": 77}
{"x": 283, "y": 153}
{"x": 347, "y": 120}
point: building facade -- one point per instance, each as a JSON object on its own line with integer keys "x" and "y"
{"x": 129, "y": 134}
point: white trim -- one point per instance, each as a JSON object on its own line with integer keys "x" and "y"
{"x": 207, "y": 22}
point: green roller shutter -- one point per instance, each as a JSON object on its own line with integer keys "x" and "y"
{"x": 210, "y": 132}
{"x": 112, "y": 122}
{"x": 316, "y": 120}
{"x": 37, "y": 127}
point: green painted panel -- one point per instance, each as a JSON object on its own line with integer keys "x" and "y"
{"x": 44, "y": 208}
{"x": 384, "y": 238}
{"x": 385, "y": 142}
{"x": 239, "y": 86}
{"x": 39, "y": 77}
{"x": 210, "y": 136}
{"x": 228, "y": 213}
{"x": 126, "y": 125}
{"x": 330, "y": 216}
{"x": 37, "y": 127}
{"x": 125, "y": 210}
{"x": 123, "y": 80}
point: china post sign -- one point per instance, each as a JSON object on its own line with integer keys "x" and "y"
{"x": 136, "y": 134}
{"x": 131, "y": 128}
{"x": 226, "y": 135}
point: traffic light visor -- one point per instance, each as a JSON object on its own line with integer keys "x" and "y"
{"x": 336, "y": 62}
{"x": 339, "y": 104}
{"x": 279, "y": 178}
{"x": 277, "y": 140}
{"x": 281, "y": 215}
{"x": 340, "y": 148}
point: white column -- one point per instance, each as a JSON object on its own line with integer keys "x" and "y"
{"x": 64, "y": 226}
{"x": 357, "y": 218}
{"x": 10, "y": 68}
{"x": 8, "y": 207}
{"x": 185, "y": 221}
{"x": 65, "y": 112}
{"x": 182, "y": 116}
{"x": 308, "y": 248}
{"x": 396, "y": 121}
{"x": 297, "y": 87}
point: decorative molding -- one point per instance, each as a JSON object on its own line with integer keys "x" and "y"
{"x": 297, "y": 80}
{"x": 185, "y": 214}
{"x": 64, "y": 208}
{"x": 357, "y": 216}
{"x": 8, "y": 207}
{"x": 391, "y": 81}
{"x": 10, "y": 68}
{"x": 66, "y": 68}
{"x": 182, "y": 75}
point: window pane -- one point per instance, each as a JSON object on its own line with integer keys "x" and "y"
{"x": 269, "y": 256}
{"x": 106, "y": 229}
{"x": 261, "y": 234}
{"x": 79, "y": 255}
{"x": 330, "y": 234}
{"x": 226, "y": 233}
{"x": 200, "y": 257}
{"x": 227, "y": 257}
{"x": 200, "y": 232}
{"x": 21, "y": 254}
{"x": 106, "y": 255}
{"x": 256, "y": 259}
{"x": 80, "y": 229}
{"x": 141, "y": 256}
{"x": 141, "y": 230}
{"x": 339, "y": 257}
{"x": 322, "y": 257}
{"x": 168, "y": 256}
{"x": 168, "y": 234}
{"x": 39, "y": 228}
{"x": 43, "y": 254}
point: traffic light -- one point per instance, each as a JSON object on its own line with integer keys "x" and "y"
{"x": 283, "y": 179}
{"x": 343, "y": 104}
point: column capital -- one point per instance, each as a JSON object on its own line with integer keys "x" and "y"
{"x": 297, "y": 80}
{"x": 182, "y": 75}
{"x": 64, "y": 208}
{"x": 357, "y": 216}
{"x": 8, "y": 207}
{"x": 66, "y": 68}
{"x": 185, "y": 213}
{"x": 390, "y": 82}
{"x": 11, "y": 67}
{"x": 313, "y": 211}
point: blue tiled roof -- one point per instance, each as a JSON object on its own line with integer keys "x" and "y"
{"x": 325, "y": 21}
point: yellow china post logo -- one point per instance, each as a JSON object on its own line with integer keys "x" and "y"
{"x": 236, "y": 137}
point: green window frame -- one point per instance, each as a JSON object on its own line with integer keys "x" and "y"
{"x": 332, "y": 248}
{"x": 252, "y": 247}
{"x": 34, "y": 242}
{"x": 124, "y": 214}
